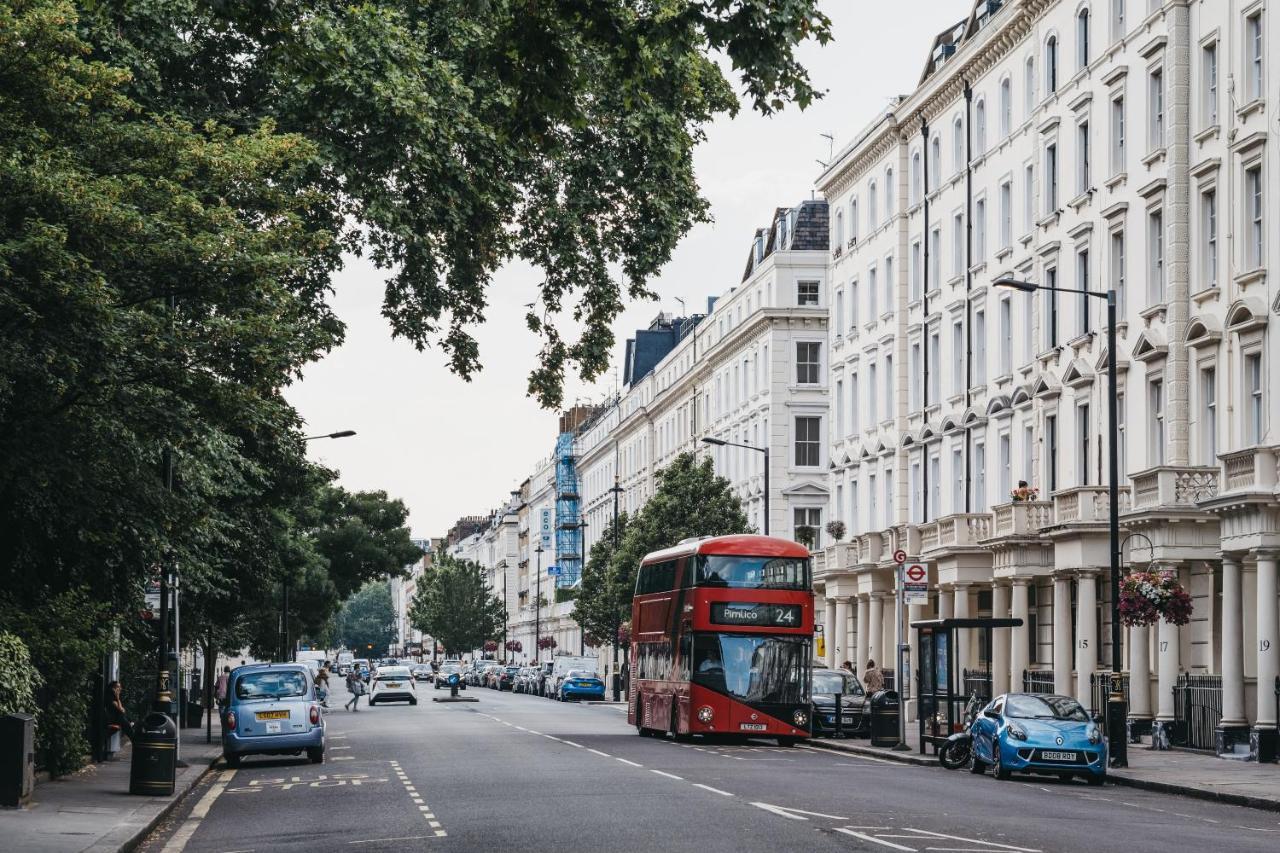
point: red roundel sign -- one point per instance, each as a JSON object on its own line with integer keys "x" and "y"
{"x": 899, "y": 556}
{"x": 916, "y": 573}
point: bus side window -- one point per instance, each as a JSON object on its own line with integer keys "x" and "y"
{"x": 686, "y": 652}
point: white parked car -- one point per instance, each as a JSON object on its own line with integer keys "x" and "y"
{"x": 393, "y": 684}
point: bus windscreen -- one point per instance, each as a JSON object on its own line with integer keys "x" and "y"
{"x": 753, "y": 668}
{"x": 753, "y": 572}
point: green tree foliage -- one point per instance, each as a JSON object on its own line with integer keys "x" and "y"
{"x": 367, "y": 621}
{"x": 453, "y": 603}
{"x": 690, "y": 500}
{"x": 18, "y": 678}
{"x": 453, "y": 136}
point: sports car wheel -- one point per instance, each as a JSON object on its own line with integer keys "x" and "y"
{"x": 1095, "y": 779}
{"x": 998, "y": 770}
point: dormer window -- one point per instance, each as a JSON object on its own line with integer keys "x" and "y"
{"x": 783, "y": 235}
{"x": 759, "y": 248}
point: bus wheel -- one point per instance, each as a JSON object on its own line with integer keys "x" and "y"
{"x": 788, "y": 741}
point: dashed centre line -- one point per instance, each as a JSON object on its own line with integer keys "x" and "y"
{"x": 711, "y": 789}
{"x": 423, "y": 808}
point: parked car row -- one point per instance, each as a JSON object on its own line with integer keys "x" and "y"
{"x": 551, "y": 679}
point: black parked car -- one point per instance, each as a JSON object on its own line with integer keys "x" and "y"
{"x": 854, "y": 708}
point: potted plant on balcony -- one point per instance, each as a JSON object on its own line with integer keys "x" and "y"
{"x": 1024, "y": 492}
{"x": 836, "y": 530}
{"x": 1146, "y": 597}
{"x": 806, "y": 535}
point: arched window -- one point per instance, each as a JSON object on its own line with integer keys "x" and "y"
{"x": 1029, "y": 86}
{"x": 980, "y": 127}
{"x": 839, "y": 229}
{"x": 1051, "y": 65}
{"x": 853, "y": 220}
{"x": 957, "y": 143}
{"x": 872, "y": 199}
{"x": 1006, "y": 107}
{"x": 935, "y": 162}
{"x": 917, "y": 178}
{"x": 1082, "y": 38}
{"x": 890, "y": 192}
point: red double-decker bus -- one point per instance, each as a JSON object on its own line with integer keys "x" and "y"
{"x": 721, "y": 639}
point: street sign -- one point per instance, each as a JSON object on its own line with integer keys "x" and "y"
{"x": 554, "y": 571}
{"x": 899, "y": 556}
{"x": 915, "y": 584}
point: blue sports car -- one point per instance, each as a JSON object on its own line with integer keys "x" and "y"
{"x": 580, "y": 684}
{"x": 1036, "y": 733}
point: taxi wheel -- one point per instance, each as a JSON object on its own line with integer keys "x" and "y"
{"x": 233, "y": 761}
{"x": 316, "y": 755}
{"x": 413, "y": 701}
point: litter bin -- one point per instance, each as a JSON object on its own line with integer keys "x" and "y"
{"x": 17, "y": 758}
{"x": 195, "y": 712}
{"x": 155, "y": 756}
{"x": 884, "y": 718}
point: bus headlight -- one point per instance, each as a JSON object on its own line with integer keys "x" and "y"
{"x": 705, "y": 713}
{"x": 800, "y": 718}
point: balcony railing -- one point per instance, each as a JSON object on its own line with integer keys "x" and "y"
{"x": 1086, "y": 504}
{"x": 1249, "y": 470}
{"x": 819, "y": 565}
{"x": 955, "y": 531}
{"x": 1021, "y": 518}
{"x": 869, "y": 547}
{"x": 1174, "y": 486}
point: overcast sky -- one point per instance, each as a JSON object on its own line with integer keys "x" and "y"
{"x": 449, "y": 448}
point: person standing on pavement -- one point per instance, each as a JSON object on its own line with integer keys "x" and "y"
{"x": 117, "y": 716}
{"x": 873, "y": 679}
{"x": 322, "y": 686}
{"x": 847, "y": 666}
{"x": 220, "y": 686}
{"x": 356, "y": 685}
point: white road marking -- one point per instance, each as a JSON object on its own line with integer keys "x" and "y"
{"x": 971, "y": 840}
{"x": 189, "y": 826}
{"x": 668, "y": 775}
{"x": 571, "y": 743}
{"x": 794, "y": 814}
{"x": 874, "y": 840}
{"x": 532, "y": 732}
{"x": 711, "y": 789}
{"x": 336, "y": 748}
{"x": 857, "y": 756}
{"x": 625, "y": 761}
{"x": 601, "y": 754}
{"x": 343, "y": 758}
{"x": 778, "y": 811}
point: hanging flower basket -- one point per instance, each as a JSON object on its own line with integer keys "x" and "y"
{"x": 591, "y": 640}
{"x": 546, "y": 642}
{"x": 1148, "y": 597}
{"x": 490, "y": 645}
{"x": 624, "y": 633}
{"x": 514, "y": 646}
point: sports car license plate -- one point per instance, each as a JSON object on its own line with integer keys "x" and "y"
{"x": 753, "y": 727}
{"x": 273, "y": 715}
{"x": 1058, "y": 756}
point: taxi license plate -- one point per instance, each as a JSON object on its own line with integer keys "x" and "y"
{"x": 272, "y": 715}
{"x": 1058, "y": 756}
{"x": 753, "y": 727}
{"x": 393, "y": 684}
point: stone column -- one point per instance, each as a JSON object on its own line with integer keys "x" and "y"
{"x": 875, "y": 631}
{"x": 832, "y": 627}
{"x": 864, "y": 621}
{"x": 915, "y": 613}
{"x": 1086, "y": 633}
{"x": 964, "y": 638}
{"x": 1020, "y": 653}
{"x": 1263, "y": 740}
{"x": 889, "y": 631}
{"x": 1000, "y": 640}
{"x": 1139, "y": 680}
{"x": 1233, "y": 726}
{"x": 1168, "y": 662}
{"x": 1062, "y": 658}
{"x": 838, "y": 652}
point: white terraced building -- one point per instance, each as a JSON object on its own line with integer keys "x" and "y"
{"x": 1099, "y": 144}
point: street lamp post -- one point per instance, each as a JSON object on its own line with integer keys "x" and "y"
{"x": 1117, "y": 736}
{"x": 537, "y": 609}
{"x": 617, "y": 623}
{"x": 720, "y": 442}
{"x": 286, "y": 648}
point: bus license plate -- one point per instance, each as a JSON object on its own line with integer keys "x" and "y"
{"x": 753, "y": 727}
{"x": 1058, "y": 756}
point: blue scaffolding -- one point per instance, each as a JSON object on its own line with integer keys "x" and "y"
{"x": 568, "y": 519}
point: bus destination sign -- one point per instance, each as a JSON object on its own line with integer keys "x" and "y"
{"x": 755, "y": 614}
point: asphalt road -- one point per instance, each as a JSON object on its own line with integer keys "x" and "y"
{"x": 519, "y": 773}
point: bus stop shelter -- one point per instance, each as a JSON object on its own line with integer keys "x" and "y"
{"x": 941, "y": 695}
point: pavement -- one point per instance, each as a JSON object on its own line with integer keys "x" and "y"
{"x": 1181, "y": 772}
{"x": 520, "y": 773}
{"x": 92, "y": 810}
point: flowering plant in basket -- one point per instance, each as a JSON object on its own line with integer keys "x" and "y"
{"x": 1147, "y": 597}
{"x": 490, "y": 645}
{"x": 546, "y": 642}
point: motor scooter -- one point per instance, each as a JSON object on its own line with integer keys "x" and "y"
{"x": 955, "y": 753}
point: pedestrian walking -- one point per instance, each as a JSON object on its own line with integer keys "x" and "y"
{"x": 873, "y": 678}
{"x": 322, "y": 686}
{"x": 356, "y": 685}
{"x": 117, "y": 717}
{"x": 220, "y": 686}
{"x": 847, "y": 666}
